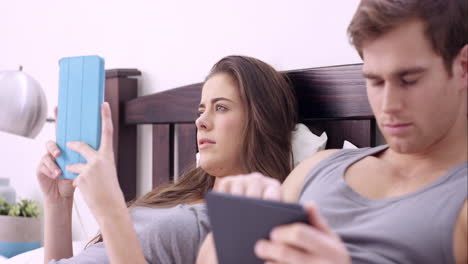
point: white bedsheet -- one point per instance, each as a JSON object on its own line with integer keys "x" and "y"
{"x": 36, "y": 256}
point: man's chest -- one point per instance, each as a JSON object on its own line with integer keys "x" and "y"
{"x": 375, "y": 179}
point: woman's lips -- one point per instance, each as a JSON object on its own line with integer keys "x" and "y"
{"x": 205, "y": 143}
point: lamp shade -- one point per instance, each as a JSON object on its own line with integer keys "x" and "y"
{"x": 23, "y": 105}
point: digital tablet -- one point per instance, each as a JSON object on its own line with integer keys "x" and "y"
{"x": 239, "y": 222}
{"x": 81, "y": 93}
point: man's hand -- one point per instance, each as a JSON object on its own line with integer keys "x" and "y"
{"x": 253, "y": 185}
{"x": 300, "y": 243}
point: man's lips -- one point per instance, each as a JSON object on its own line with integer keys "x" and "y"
{"x": 396, "y": 128}
{"x": 394, "y": 125}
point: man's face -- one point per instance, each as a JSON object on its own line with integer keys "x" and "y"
{"x": 415, "y": 101}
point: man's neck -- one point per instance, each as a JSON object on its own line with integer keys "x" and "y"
{"x": 446, "y": 153}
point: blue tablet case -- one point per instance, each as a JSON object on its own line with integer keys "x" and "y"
{"x": 81, "y": 93}
{"x": 239, "y": 222}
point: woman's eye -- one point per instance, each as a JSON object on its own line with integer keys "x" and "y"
{"x": 220, "y": 108}
{"x": 376, "y": 83}
{"x": 199, "y": 113}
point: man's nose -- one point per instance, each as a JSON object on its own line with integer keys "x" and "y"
{"x": 392, "y": 100}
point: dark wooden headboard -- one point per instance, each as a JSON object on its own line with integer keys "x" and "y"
{"x": 331, "y": 99}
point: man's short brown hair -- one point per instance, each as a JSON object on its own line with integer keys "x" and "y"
{"x": 445, "y": 21}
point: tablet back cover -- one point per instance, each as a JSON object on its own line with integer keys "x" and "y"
{"x": 81, "y": 93}
{"x": 239, "y": 222}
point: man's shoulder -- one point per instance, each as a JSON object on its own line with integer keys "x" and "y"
{"x": 319, "y": 156}
{"x": 293, "y": 183}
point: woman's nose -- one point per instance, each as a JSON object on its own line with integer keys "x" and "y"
{"x": 202, "y": 121}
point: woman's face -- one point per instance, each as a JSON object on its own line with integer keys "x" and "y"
{"x": 220, "y": 125}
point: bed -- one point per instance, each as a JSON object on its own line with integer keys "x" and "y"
{"x": 331, "y": 99}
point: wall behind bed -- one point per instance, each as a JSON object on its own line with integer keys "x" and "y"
{"x": 173, "y": 43}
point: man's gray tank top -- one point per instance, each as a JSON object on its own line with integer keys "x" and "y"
{"x": 414, "y": 228}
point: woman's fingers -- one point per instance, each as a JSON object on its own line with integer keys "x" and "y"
{"x": 76, "y": 168}
{"x": 45, "y": 171}
{"x": 84, "y": 149}
{"x": 49, "y": 163}
{"x": 52, "y": 148}
{"x": 107, "y": 128}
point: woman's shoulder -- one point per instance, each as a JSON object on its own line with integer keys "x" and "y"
{"x": 182, "y": 222}
{"x": 174, "y": 234}
{"x": 181, "y": 214}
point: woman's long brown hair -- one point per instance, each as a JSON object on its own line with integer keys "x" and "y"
{"x": 271, "y": 118}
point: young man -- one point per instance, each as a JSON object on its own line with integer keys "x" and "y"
{"x": 401, "y": 203}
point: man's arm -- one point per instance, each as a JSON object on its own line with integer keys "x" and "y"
{"x": 461, "y": 236}
{"x": 207, "y": 253}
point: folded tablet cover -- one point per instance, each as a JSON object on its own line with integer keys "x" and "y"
{"x": 81, "y": 93}
{"x": 239, "y": 222}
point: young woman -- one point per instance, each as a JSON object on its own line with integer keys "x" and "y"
{"x": 245, "y": 106}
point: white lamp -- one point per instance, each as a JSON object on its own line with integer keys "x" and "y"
{"x": 23, "y": 105}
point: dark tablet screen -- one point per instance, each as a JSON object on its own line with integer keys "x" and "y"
{"x": 239, "y": 222}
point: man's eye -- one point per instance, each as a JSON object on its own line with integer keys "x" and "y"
{"x": 408, "y": 82}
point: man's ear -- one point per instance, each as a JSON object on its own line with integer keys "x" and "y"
{"x": 461, "y": 66}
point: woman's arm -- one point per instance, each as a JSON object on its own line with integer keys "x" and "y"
{"x": 119, "y": 236}
{"x": 57, "y": 230}
{"x": 97, "y": 181}
{"x": 58, "y": 203}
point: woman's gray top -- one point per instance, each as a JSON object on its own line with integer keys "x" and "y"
{"x": 414, "y": 228}
{"x": 167, "y": 235}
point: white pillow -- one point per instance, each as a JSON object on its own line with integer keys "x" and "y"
{"x": 349, "y": 145}
{"x": 304, "y": 144}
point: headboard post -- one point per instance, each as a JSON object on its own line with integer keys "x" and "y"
{"x": 120, "y": 89}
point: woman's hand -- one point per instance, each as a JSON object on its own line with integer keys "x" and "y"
{"x": 300, "y": 243}
{"x": 97, "y": 179}
{"x": 253, "y": 185}
{"x": 58, "y": 198}
{"x": 55, "y": 189}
